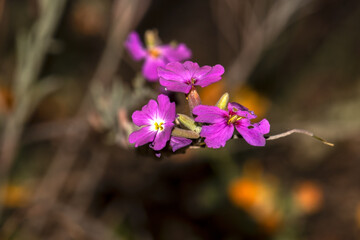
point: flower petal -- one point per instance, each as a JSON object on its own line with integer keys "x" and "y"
{"x": 150, "y": 68}
{"x": 191, "y": 68}
{"x": 254, "y": 133}
{"x": 135, "y": 47}
{"x": 179, "y": 142}
{"x": 146, "y": 115}
{"x": 209, "y": 114}
{"x": 175, "y": 86}
{"x": 200, "y": 72}
{"x": 173, "y": 71}
{"x": 263, "y": 126}
{"x": 216, "y": 135}
{"x": 234, "y": 107}
{"x": 162, "y": 137}
{"x": 176, "y": 54}
{"x": 142, "y": 136}
{"x": 212, "y": 76}
{"x": 140, "y": 118}
{"x": 240, "y": 110}
{"x": 166, "y": 109}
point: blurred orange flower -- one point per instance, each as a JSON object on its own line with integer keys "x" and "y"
{"x": 308, "y": 197}
{"x": 88, "y": 17}
{"x": 251, "y": 99}
{"x": 14, "y": 195}
{"x": 245, "y": 95}
{"x": 245, "y": 192}
{"x": 211, "y": 94}
{"x": 357, "y": 215}
{"x": 6, "y": 100}
{"x": 256, "y": 194}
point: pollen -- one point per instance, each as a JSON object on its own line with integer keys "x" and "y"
{"x": 233, "y": 119}
{"x": 154, "y": 52}
{"x": 159, "y": 126}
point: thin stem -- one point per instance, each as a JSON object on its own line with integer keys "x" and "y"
{"x": 27, "y": 71}
{"x": 178, "y": 132}
{"x": 60, "y": 168}
{"x": 284, "y": 134}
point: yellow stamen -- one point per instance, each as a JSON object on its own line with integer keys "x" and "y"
{"x": 159, "y": 126}
{"x": 233, "y": 119}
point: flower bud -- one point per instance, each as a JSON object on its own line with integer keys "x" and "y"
{"x": 223, "y": 101}
{"x": 151, "y": 38}
{"x": 193, "y": 98}
{"x": 189, "y": 123}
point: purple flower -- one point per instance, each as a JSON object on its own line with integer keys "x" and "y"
{"x": 222, "y": 124}
{"x": 155, "y": 56}
{"x": 179, "y": 77}
{"x": 179, "y": 142}
{"x": 157, "y": 119}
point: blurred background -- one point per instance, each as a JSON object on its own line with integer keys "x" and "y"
{"x": 68, "y": 88}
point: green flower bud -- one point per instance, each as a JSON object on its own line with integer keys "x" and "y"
{"x": 189, "y": 123}
{"x": 223, "y": 101}
{"x": 151, "y": 38}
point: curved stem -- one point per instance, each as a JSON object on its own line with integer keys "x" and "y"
{"x": 284, "y": 134}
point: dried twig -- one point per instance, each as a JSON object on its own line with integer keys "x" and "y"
{"x": 125, "y": 12}
{"x": 32, "y": 50}
{"x": 2, "y": 4}
{"x": 89, "y": 178}
{"x": 284, "y": 134}
{"x": 257, "y": 28}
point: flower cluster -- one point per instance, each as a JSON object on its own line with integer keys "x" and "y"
{"x": 212, "y": 126}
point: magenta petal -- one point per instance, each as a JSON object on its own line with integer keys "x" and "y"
{"x": 234, "y": 107}
{"x": 142, "y": 136}
{"x": 135, "y": 47}
{"x": 191, "y": 68}
{"x": 175, "y": 86}
{"x": 212, "y": 76}
{"x": 140, "y": 118}
{"x": 253, "y": 134}
{"x": 182, "y": 52}
{"x": 209, "y": 114}
{"x": 263, "y": 126}
{"x": 240, "y": 110}
{"x": 147, "y": 113}
{"x": 179, "y": 142}
{"x": 150, "y": 68}
{"x": 200, "y": 72}
{"x": 174, "y": 77}
{"x": 162, "y": 137}
{"x": 217, "y": 135}
{"x": 176, "y": 54}
{"x": 166, "y": 109}
{"x": 172, "y": 71}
